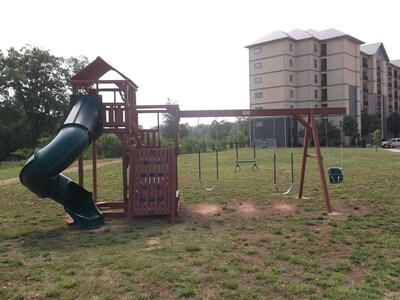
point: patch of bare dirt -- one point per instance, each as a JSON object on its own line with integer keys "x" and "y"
{"x": 151, "y": 242}
{"x": 246, "y": 209}
{"x": 343, "y": 212}
{"x": 283, "y": 208}
{"x": 9, "y": 181}
{"x": 355, "y": 276}
{"x": 203, "y": 209}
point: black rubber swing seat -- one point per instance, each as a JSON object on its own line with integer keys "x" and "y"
{"x": 335, "y": 175}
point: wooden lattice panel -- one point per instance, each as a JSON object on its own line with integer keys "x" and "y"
{"x": 152, "y": 188}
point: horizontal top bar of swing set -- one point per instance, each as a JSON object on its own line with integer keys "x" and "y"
{"x": 262, "y": 112}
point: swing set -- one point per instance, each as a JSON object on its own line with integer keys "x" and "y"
{"x": 216, "y": 162}
{"x": 254, "y": 168}
{"x": 335, "y": 174}
{"x": 149, "y": 169}
{"x": 307, "y": 118}
{"x": 291, "y": 163}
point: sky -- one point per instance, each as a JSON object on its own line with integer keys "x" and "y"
{"x": 192, "y": 52}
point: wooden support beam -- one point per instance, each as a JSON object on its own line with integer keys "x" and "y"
{"x": 262, "y": 112}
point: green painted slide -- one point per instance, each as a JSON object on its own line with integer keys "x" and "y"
{"x": 41, "y": 173}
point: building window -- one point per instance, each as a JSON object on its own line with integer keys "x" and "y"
{"x": 258, "y": 124}
{"x": 315, "y": 48}
{"x": 316, "y": 94}
{"x": 258, "y": 95}
{"x": 258, "y": 65}
{"x": 324, "y": 105}
{"x": 257, "y": 50}
{"x": 291, "y": 93}
{"x": 290, "y": 47}
{"x": 324, "y": 95}
{"x": 258, "y": 80}
{"x": 315, "y": 78}
{"x": 323, "y": 64}
{"x": 291, "y": 77}
{"x": 323, "y": 50}
{"x": 315, "y": 64}
{"x": 290, "y": 62}
{"x": 324, "y": 80}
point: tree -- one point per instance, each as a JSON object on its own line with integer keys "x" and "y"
{"x": 240, "y": 133}
{"x": 13, "y": 133}
{"x": 393, "y": 123}
{"x": 376, "y": 138}
{"x": 369, "y": 123}
{"x": 350, "y": 128}
{"x": 168, "y": 124}
{"x": 37, "y": 84}
{"x": 108, "y": 146}
{"x": 328, "y": 130}
{"x": 184, "y": 130}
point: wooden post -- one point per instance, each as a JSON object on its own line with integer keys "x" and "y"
{"x": 320, "y": 164}
{"x": 94, "y": 166}
{"x": 80, "y": 170}
{"x": 311, "y": 130}
{"x": 304, "y": 159}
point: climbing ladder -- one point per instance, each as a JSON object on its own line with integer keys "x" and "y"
{"x": 152, "y": 183}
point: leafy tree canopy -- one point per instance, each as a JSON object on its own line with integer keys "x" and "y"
{"x": 369, "y": 123}
{"x": 34, "y": 91}
{"x": 393, "y": 124}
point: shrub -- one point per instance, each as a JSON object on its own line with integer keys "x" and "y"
{"x": 109, "y": 146}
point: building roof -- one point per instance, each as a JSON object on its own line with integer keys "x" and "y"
{"x": 370, "y": 49}
{"x": 375, "y": 49}
{"x": 273, "y": 36}
{"x": 298, "y": 34}
{"x": 396, "y": 62}
{"x": 96, "y": 69}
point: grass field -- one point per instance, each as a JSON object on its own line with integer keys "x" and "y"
{"x": 240, "y": 241}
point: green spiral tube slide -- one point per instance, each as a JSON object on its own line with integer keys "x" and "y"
{"x": 41, "y": 173}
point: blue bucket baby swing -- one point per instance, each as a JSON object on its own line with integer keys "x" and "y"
{"x": 335, "y": 174}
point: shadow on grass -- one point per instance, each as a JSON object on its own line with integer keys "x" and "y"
{"x": 114, "y": 233}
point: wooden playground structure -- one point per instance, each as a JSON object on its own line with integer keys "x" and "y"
{"x": 149, "y": 172}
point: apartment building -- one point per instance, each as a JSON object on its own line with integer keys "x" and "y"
{"x": 329, "y": 68}
{"x": 380, "y": 82}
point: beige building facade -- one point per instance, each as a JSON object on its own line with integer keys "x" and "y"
{"x": 304, "y": 69}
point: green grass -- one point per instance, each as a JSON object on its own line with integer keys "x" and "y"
{"x": 249, "y": 242}
{"x": 10, "y": 170}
